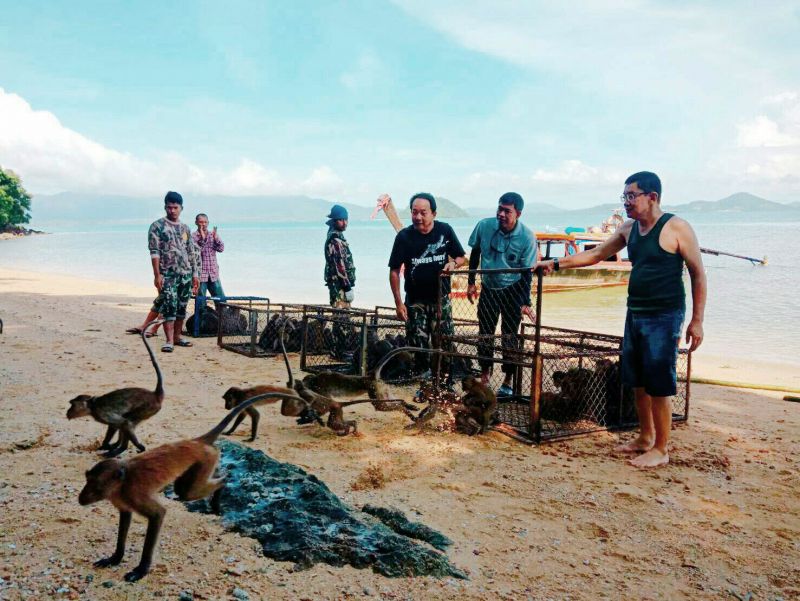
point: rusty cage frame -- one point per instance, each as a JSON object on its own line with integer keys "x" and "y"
{"x": 565, "y": 382}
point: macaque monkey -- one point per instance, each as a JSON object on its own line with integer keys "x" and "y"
{"x": 123, "y": 409}
{"x": 134, "y": 484}
{"x": 480, "y": 403}
{"x": 290, "y": 406}
{"x": 320, "y": 404}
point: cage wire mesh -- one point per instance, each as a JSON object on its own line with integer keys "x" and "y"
{"x": 333, "y": 339}
{"x": 202, "y": 319}
{"x": 254, "y": 327}
{"x": 567, "y": 384}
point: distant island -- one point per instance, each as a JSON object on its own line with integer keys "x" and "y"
{"x": 73, "y": 208}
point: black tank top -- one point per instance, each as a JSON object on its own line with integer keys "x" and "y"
{"x": 656, "y": 282}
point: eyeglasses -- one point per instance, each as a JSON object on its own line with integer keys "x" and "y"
{"x": 629, "y": 196}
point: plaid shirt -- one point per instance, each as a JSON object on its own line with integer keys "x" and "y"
{"x": 209, "y": 270}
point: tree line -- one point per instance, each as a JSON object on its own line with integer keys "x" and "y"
{"x": 15, "y": 202}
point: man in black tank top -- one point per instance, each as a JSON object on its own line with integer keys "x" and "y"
{"x": 658, "y": 246}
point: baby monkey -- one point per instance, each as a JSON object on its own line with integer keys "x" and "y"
{"x": 135, "y": 484}
{"x": 122, "y": 409}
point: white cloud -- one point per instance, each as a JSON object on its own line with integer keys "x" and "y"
{"x": 763, "y": 131}
{"x": 572, "y": 182}
{"x": 368, "y": 72}
{"x": 577, "y": 172}
{"x": 767, "y": 150}
{"x": 51, "y": 157}
{"x": 658, "y": 49}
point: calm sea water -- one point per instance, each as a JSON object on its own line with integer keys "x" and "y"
{"x": 752, "y": 310}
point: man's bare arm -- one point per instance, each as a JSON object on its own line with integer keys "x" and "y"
{"x": 612, "y": 246}
{"x": 394, "y": 284}
{"x": 689, "y": 249}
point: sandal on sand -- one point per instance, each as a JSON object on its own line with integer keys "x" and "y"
{"x": 183, "y": 342}
{"x": 167, "y": 348}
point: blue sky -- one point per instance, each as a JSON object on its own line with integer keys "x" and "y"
{"x": 345, "y": 100}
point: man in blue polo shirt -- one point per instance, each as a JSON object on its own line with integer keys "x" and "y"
{"x": 502, "y": 242}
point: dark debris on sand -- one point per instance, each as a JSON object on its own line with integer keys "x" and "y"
{"x": 297, "y": 518}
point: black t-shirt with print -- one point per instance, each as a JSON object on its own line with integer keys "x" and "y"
{"x": 424, "y": 256}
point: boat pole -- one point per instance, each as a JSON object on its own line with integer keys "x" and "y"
{"x": 717, "y": 253}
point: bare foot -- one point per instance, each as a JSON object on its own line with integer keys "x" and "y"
{"x": 652, "y": 458}
{"x": 637, "y": 445}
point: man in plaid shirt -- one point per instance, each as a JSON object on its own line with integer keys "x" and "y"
{"x": 209, "y": 244}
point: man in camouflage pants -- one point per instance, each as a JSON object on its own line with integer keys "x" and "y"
{"x": 340, "y": 271}
{"x": 425, "y": 249}
{"x": 176, "y": 269}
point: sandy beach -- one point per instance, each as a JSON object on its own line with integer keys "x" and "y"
{"x": 567, "y": 520}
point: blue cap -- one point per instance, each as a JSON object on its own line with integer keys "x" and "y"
{"x": 338, "y": 212}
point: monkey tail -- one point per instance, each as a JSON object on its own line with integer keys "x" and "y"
{"x": 159, "y": 376}
{"x": 402, "y": 349}
{"x": 285, "y": 356}
{"x": 360, "y": 401}
{"x": 212, "y": 435}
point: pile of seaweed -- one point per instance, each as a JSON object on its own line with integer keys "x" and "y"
{"x": 297, "y": 518}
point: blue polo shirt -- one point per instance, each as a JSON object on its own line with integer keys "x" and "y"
{"x": 500, "y": 250}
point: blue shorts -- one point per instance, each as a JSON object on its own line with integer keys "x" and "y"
{"x": 650, "y": 351}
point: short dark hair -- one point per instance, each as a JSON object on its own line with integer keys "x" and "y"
{"x": 647, "y": 181}
{"x": 173, "y": 198}
{"x": 424, "y": 196}
{"x": 512, "y": 198}
{"x": 200, "y": 215}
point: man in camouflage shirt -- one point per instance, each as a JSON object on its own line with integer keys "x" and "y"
{"x": 340, "y": 272}
{"x": 176, "y": 269}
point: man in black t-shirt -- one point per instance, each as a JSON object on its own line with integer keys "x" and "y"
{"x": 425, "y": 249}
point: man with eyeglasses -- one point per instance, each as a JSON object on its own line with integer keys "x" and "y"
{"x": 659, "y": 244}
{"x": 502, "y": 242}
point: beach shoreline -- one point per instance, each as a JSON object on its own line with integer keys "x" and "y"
{"x": 751, "y": 371}
{"x": 564, "y": 520}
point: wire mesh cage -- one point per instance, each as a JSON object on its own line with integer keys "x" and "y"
{"x": 353, "y": 341}
{"x": 253, "y": 327}
{"x": 332, "y": 339}
{"x": 552, "y": 382}
{"x": 203, "y": 321}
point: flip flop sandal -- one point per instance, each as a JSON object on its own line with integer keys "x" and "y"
{"x": 183, "y": 342}
{"x": 504, "y": 391}
{"x": 167, "y": 348}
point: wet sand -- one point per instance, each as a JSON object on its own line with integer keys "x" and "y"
{"x": 562, "y": 521}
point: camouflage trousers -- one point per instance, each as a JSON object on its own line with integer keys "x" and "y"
{"x": 343, "y": 332}
{"x": 174, "y": 296}
{"x": 423, "y": 329}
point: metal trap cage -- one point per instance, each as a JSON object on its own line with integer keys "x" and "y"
{"x": 332, "y": 339}
{"x": 252, "y": 327}
{"x": 204, "y": 320}
{"x": 353, "y": 341}
{"x": 563, "y": 382}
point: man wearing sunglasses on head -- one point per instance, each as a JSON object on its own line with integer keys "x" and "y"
{"x": 502, "y": 242}
{"x": 659, "y": 244}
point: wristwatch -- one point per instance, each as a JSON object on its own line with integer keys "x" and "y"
{"x": 555, "y": 264}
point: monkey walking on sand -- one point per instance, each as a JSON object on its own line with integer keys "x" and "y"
{"x": 123, "y": 409}
{"x": 322, "y": 404}
{"x": 134, "y": 484}
{"x": 291, "y": 406}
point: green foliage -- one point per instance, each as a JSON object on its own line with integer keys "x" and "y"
{"x": 15, "y": 202}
